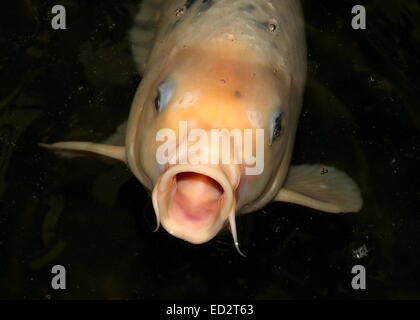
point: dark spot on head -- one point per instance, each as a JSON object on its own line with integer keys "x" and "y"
{"x": 223, "y": 81}
{"x": 272, "y": 27}
{"x": 179, "y": 12}
{"x": 238, "y": 94}
{"x": 248, "y": 8}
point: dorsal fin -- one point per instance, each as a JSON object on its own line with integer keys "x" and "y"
{"x": 143, "y": 33}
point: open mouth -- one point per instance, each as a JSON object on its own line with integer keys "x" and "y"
{"x": 194, "y": 202}
{"x": 196, "y": 198}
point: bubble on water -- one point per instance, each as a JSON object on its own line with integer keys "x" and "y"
{"x": 360, "y": 252}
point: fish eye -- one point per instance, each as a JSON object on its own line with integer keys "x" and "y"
{"x": 164, "y": 93}
{"x": 157, "y": 101}
{"x": 276, "y": 126}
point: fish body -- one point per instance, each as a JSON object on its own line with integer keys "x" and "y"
{"x": 238, "y": 67}
{"x": 228, "y": 47}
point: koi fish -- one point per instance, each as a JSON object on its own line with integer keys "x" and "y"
{"x": 233, "y": 65}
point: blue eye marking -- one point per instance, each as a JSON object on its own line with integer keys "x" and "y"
{"x": 276, "y": 126}
{"x": 163, "y": 95}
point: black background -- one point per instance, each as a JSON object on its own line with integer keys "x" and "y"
{"x": 360, "y": 114}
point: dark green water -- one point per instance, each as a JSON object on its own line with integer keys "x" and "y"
{"x": 361, "y": 114}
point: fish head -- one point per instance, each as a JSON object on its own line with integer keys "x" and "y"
{"x": 206, "y": 141}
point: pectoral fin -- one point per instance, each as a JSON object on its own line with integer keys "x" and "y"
{"x": 114, "y": 152}
{"x": 321, "y": 187}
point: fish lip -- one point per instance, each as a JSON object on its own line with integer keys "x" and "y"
{"x": 227, "y": 176}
